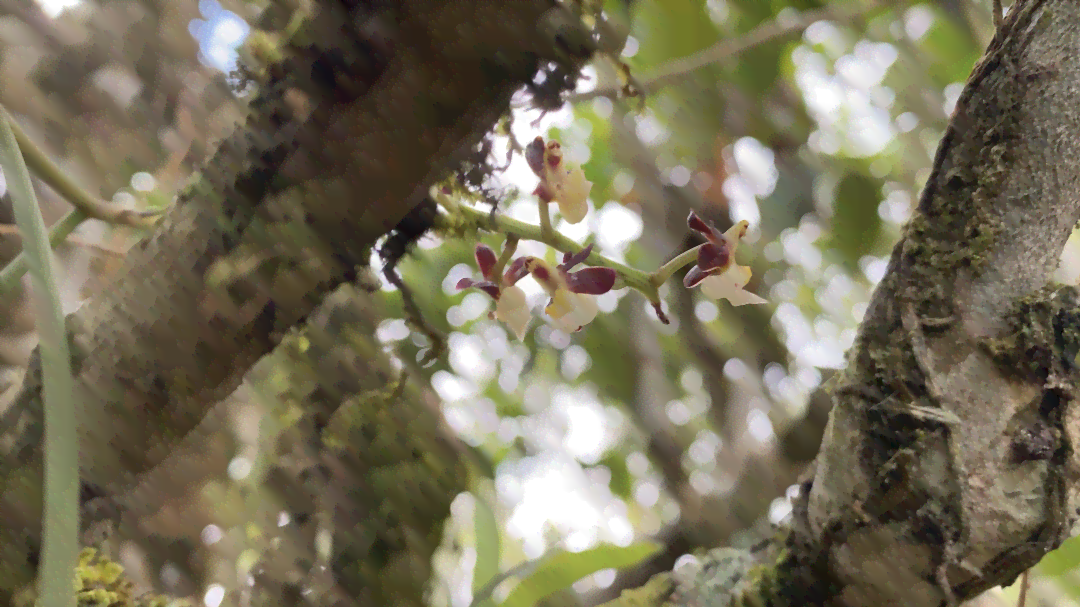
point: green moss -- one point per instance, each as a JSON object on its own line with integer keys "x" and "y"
{"x": 456, "y": 226}
{"x": 1042, "y": 335}
{"x": 951, "y": 233}
{"x": 100, "y": 582}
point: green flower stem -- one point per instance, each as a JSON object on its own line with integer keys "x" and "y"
{"x": 666, "y": 271}
{"x": 50, "y": 173}
{"x": 86, "y": 206}
{"x": 545, "y": 219}
{"x": 16, "y": 268}
{"x": 647, "y": 283}
{"x": 508, "y": 251}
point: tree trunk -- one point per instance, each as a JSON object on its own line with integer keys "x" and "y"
{"x": 948, "y": 463}
{"x": 345, "y": 135}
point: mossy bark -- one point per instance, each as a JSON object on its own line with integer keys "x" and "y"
{"x": 340, "y": 142}
{"x": 949, "y": 463}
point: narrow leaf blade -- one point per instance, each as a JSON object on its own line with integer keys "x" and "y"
{"x": 486, "y": 529}
{"x": 562, "y": 570}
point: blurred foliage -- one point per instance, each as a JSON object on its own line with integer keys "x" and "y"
{"x": 560, "y": 570}
{"x": 629, "y": 429}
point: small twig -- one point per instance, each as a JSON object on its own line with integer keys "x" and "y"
{"x": 415, "y": 316}
{"x": 723, "y": 50}
{"x": 999, "y": 18}
{"x": 7, "y": 229}
{"x": 46, "y": 170}
{"x": 1022, "y": 601}
{"x": 399, "y": 387}
{"x": 942, "y": 579}
{"x": 16, "y": 268}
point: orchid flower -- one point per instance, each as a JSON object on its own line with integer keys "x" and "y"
{"x": 511, "y": 307}
{"x": 560, "y": 180}
{"x": 716, "y": 271}
{"x": 572, "y": 304}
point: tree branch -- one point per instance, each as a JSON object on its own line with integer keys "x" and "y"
{"x": 949, "y": 464}
{"x": 282, "y": 214}
{"x": 726, "y": 49}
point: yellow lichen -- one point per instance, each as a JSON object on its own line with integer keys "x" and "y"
{"x": 100, "y": 582}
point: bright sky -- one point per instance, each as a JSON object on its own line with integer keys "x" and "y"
{"x": 219, "y": 32}
{"x": 53, "y": 8}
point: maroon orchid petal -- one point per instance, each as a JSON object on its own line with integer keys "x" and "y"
{"x": 660, "y": 313}
{"x": 554, "y": 154}
{"x": 534, "y": 155}
{"x": 516, "y": 271}
{"x": 699, "y": 225}
{"x": 693, "y": 277}
{"x": 486, "y": 286}
{"x": 486, "y": 259}
{"x": 593, "y": 281}
{"x": 570, "y": 260}
{"x": 491, "y": 289}
{"x": 543, "y": 193}
{"x": 539, "y": 270}
{"x": 713, "y": 257}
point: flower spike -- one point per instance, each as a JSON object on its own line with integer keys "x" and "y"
{"x": 511, "y": 306}
{"x": 716, "y": 271}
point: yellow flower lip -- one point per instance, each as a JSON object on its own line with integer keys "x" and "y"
{"x": 560, "y": 304}
{"x": 548, "y": 278}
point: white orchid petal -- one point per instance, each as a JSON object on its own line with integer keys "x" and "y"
{"x": 511, "y": 298}
{"x": 571, "y": 191}
{"x": 729, "y": 286}
{"x": 573, "y": 213}
{"x": 512, "y": 309}
{"x": 738, "y": 275}
{"x": 570, "y": 310}
{"x": 518, "y": 323}
{"x": 742, "y": 298}
{"x": 586, "y": 310}
{"x": 566, "y": 324}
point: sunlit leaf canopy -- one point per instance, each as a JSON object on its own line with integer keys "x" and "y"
{"x": 821, "y": 139}
{"x": 689, "y": 433}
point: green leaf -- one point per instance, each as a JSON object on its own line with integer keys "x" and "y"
{"x": 1062, "y": 560}
{"x": 948, "y": 52}
{"x": 486, "y": 529}
{"x": 60, "y": 542}
{"x": 856, "y": 226}
{"x": 622, "y": 482}
{"x": 563, "y": 569}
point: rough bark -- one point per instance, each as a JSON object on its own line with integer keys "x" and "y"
{"x": 346, "y": 452}
{"x": 948, "y": 465}
{"x": 345, "y": 136}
